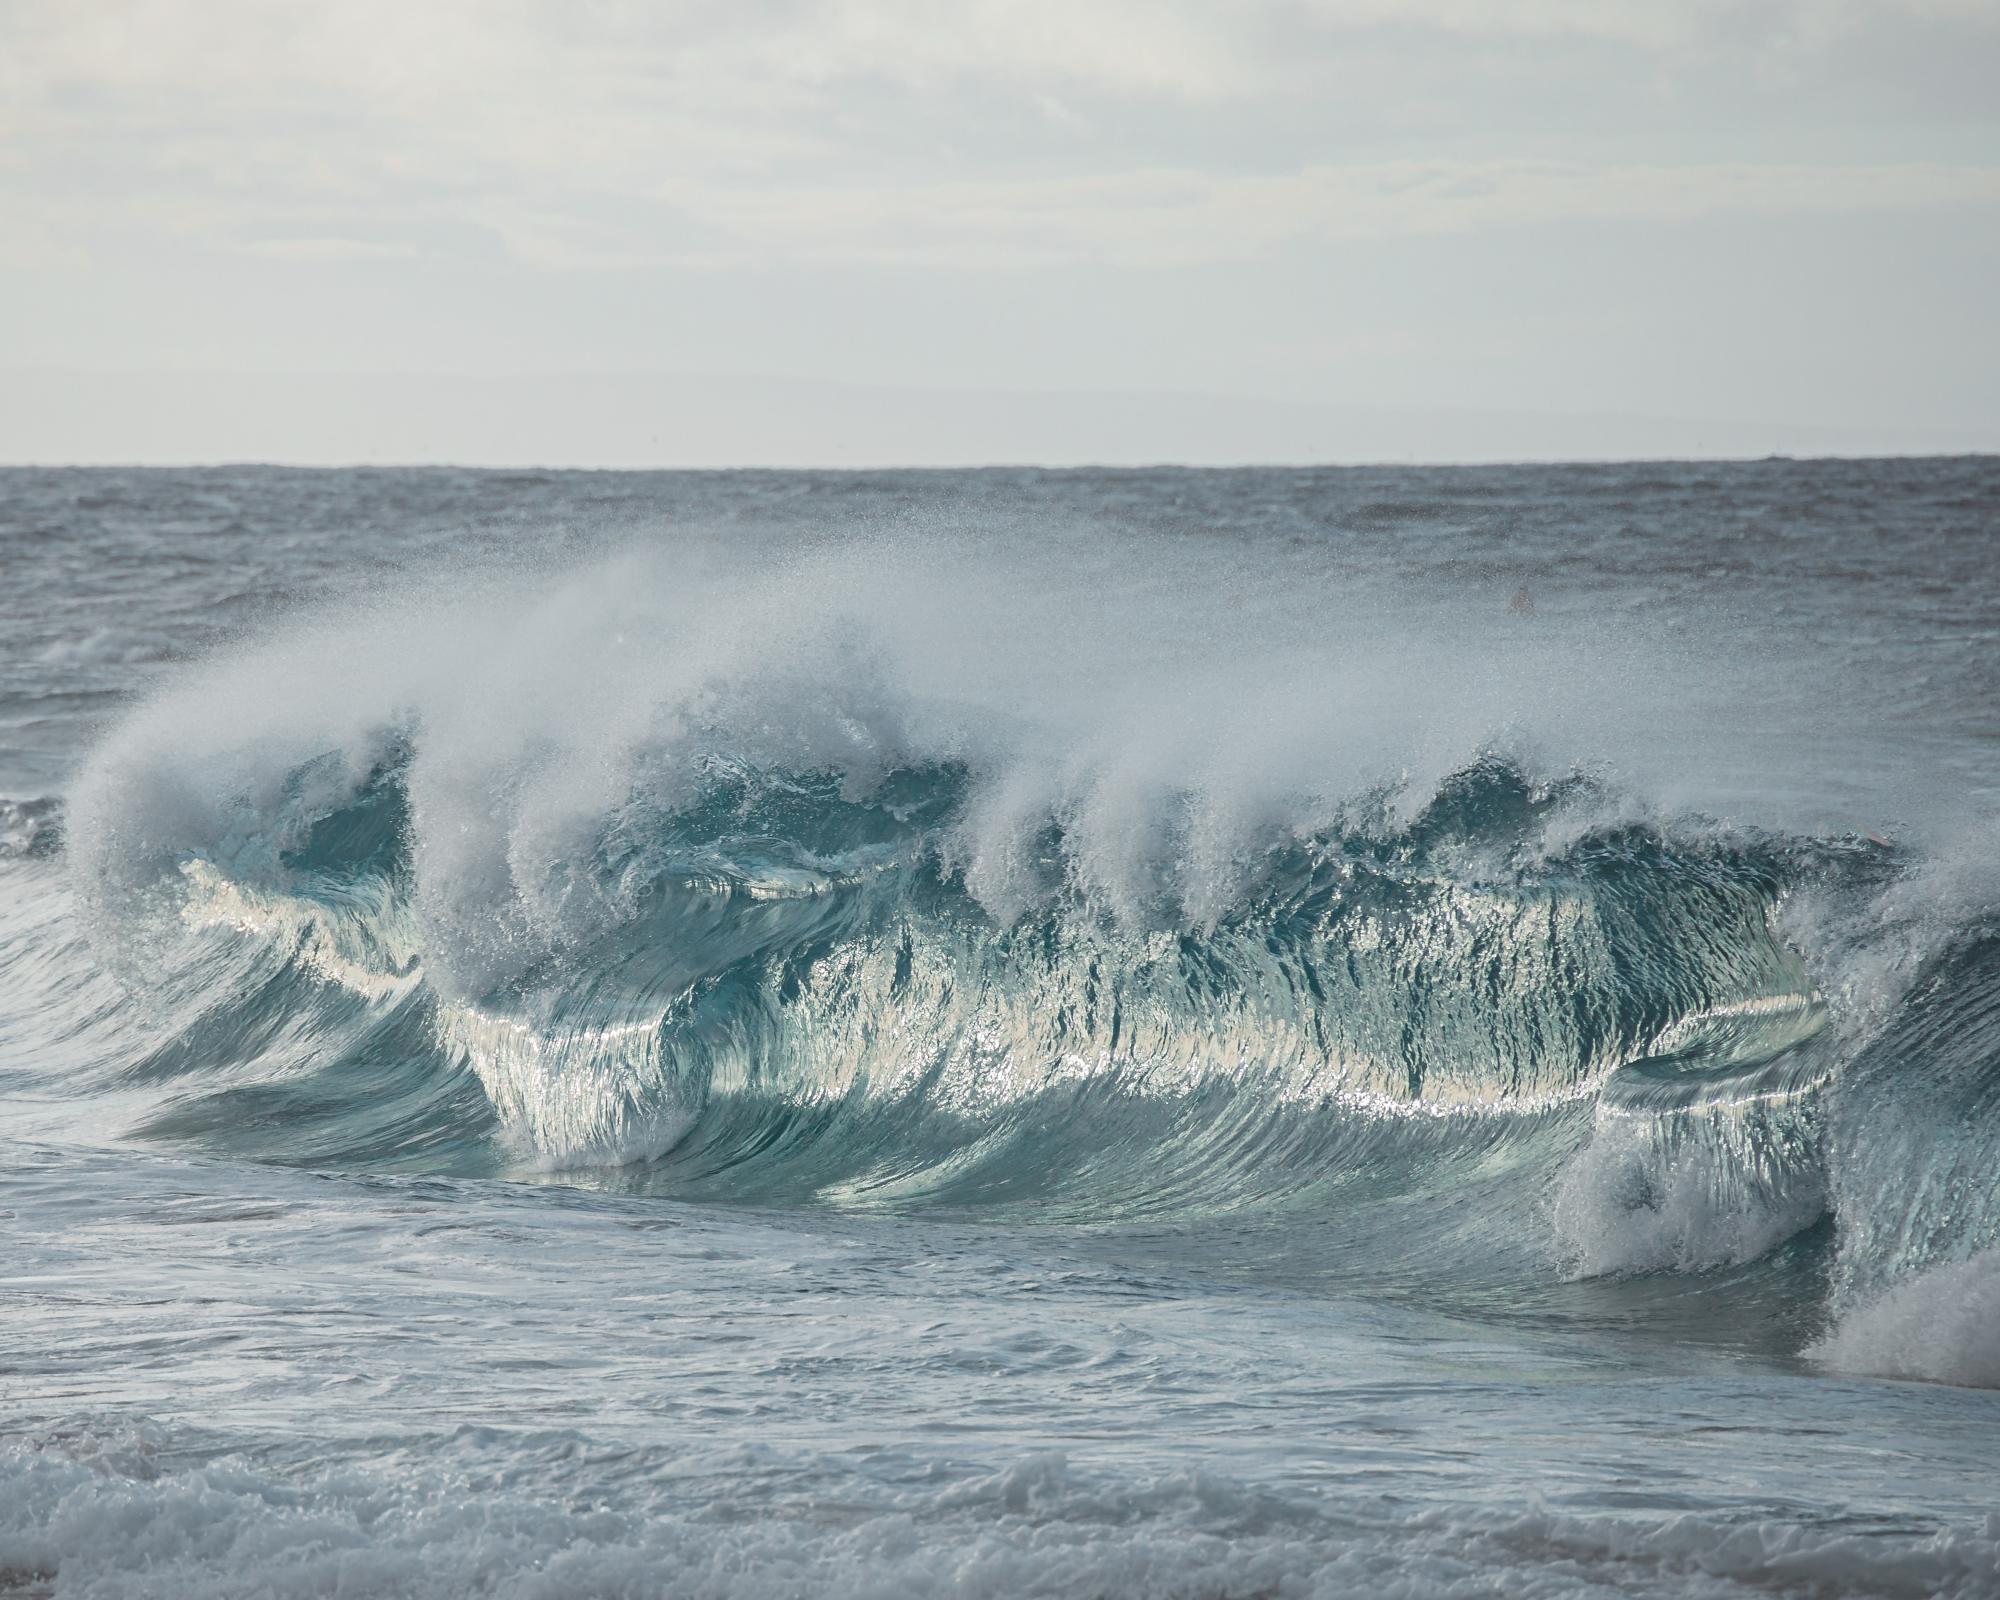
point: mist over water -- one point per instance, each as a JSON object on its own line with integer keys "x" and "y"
{"x": 1036, "y": 1033}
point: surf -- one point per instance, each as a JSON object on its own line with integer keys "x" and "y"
{"x": 921, "y": 880}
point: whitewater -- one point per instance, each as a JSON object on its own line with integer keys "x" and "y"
{"x": 1400, "y": 1031}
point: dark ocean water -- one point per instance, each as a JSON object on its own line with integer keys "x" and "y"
{"x": 1391, "y": 1031}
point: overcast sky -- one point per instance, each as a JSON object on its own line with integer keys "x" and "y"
{"x": 1781, "y": 213}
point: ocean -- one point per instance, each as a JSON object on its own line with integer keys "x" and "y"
{"x": 1268, "y": 1033}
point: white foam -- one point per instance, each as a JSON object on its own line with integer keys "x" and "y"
{"x": 1634, "y": 1201}
{"x": 1943, "y": 1325}
{"x": 90, "y": 1524}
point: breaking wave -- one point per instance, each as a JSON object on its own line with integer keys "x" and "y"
{"x": 831, "y": 888}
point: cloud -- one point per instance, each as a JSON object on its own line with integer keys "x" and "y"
{"x": 331, "y": 249}
{"x": 998, "y": 131}
{"x": 1181, "y": 217}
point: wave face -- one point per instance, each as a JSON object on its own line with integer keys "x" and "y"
{"x": 1410, "y": 929}
{"x": 785, "y": 987}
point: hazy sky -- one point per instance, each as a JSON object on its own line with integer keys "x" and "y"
{"x": 1773, "y": 212}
